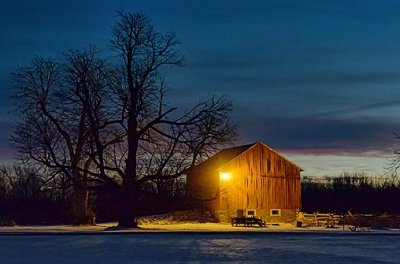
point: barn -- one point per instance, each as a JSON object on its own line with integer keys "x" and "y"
{"x": 244, "y": 181}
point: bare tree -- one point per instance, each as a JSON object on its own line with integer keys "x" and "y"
{"x": 160, "y": 142}
{"x": 393, "y": 165}
{"x": 55, "y": 100}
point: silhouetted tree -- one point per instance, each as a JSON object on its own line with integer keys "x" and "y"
{"x": 161, "y": 143}
{"x": 393, "y": 165}
{"x": 55, "y": 100}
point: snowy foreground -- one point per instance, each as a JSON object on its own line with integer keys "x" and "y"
{"x": 200, "y": 247}
{"x": 196, "y": 243}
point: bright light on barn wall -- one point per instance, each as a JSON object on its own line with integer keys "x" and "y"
{"x": 225, "y": 176}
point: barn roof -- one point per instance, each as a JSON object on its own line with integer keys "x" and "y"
{"x": 224, "y": 156}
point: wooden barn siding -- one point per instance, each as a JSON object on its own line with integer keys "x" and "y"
{"x": 256, "y": 184}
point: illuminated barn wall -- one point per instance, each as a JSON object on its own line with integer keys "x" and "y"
{"x": 247, "y": 177}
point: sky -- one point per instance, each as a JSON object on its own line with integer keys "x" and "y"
{"x": 316, "y": 80}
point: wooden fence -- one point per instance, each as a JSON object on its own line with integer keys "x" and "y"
{"x": 356, "y": 220}
{"x": 318, "y": 219}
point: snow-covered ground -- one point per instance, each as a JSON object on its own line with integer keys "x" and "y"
{"x": 178, "y": 227}
{"x": 256, "y": 247}
{"x": 170, "y": 241}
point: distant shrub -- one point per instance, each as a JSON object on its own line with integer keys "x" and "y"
{"x": 9, "y": 223}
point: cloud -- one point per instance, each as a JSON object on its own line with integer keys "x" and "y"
{"x": 360, "y": 108}
{"x": 322, "y": 136}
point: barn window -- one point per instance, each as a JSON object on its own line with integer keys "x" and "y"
{"x": 275, "y": 212}
{"x": 250, "y": 212}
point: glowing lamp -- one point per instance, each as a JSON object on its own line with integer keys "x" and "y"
{"x": 225, "y": 176}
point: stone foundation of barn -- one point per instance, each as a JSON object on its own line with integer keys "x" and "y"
{"x": 286, "y": 215}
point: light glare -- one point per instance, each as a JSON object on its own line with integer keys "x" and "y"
{"x": 225, "y": 176}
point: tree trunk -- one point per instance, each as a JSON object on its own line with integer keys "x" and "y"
{"x": 81, "y": 212}
{"x": 128, "y": 205}
{"x": 129, "y": 194}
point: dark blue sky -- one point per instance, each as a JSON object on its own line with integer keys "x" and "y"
{"x": 306, "y": 77}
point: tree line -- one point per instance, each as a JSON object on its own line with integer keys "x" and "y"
{"x": 29, "y": 195}
{"x": 96, "y": 127}
{"x": 351, "y": 192}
